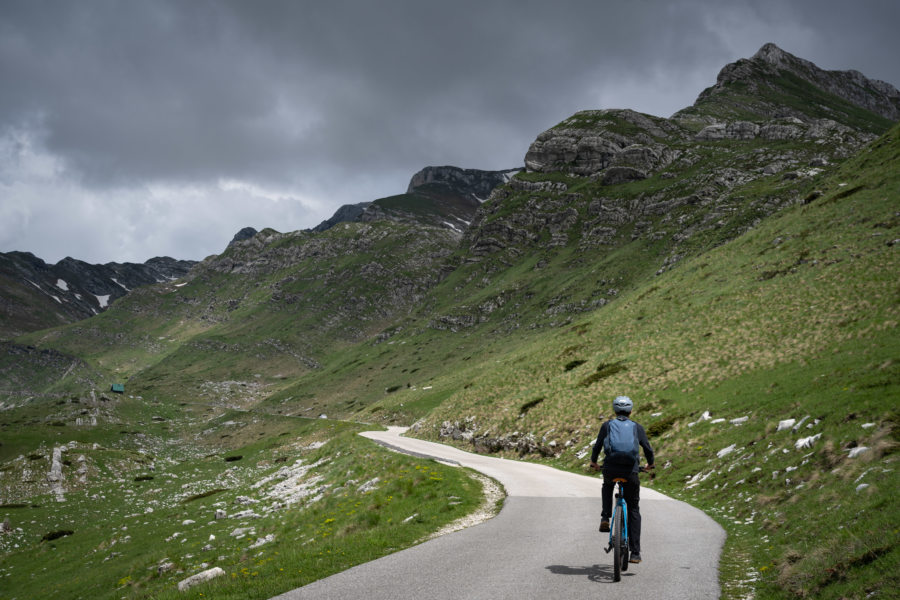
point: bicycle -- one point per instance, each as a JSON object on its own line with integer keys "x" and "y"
{"x": 618, "y": 531}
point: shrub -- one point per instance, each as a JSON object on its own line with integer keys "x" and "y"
{"x": 604, "y": 370}
{"x": 529, "y": 405}
{"x": 203, "y": 495}
{"x": 53, "y": 535}
{"x": 660, "y": 427}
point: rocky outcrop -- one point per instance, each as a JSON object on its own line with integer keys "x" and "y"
{"x": 244, "y": 234}
{"x": 345, "y": 214}
{"x": 592, "y": 141}
{"x": 789, "y": 128}
{"x": 445, "y": 197}
{"x": 473, "y": 184}
{"x": 467, "y": 430}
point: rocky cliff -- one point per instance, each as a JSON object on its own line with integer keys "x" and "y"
{"x": 445, "y": 197}
{"x": 472, "y": 184}
{"x": 773, "y": 96}
{"x": 345, "y": 214}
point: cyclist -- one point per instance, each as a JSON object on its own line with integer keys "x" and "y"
{"x": 622, "y": 463}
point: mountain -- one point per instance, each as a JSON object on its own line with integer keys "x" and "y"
{"x": 731, "y": 268}
{"x": 346, "y": 213}
{"x": 244, "y": 234}
{"x": 774, "y": 83}
{"x": 439, "y": 196}
{"x": 35, "y": 295}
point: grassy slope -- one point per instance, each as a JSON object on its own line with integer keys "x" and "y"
{"x": 796, "y": 318}
{"x": 146, "y": 508}
{"x": 223, "y": 340}
{"x": 505, "y": 299}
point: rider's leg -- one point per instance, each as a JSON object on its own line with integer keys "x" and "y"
{"x": 632, "y": 499}
{"x": 607, "y": 493}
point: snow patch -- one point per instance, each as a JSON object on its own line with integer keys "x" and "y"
{"x": 103, "y": 300}
{"x": 62, "y": 285}
{"x": 115, "y": 281}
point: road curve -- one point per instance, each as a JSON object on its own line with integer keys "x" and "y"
{"x": 543, "y": 544}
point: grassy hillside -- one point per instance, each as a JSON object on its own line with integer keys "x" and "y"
{"x": 796, "y": 319}
{"x": 264, "y": 311}
{"x": 275, "y": 502}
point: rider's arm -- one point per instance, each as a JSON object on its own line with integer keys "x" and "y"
{"x": 645, "y": 444}
{"x": 598, "y": 445}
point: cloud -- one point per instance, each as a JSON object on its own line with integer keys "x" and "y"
{"x": 308, "y": 106}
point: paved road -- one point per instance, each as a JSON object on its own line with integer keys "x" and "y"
{"x": 543, "y": 544}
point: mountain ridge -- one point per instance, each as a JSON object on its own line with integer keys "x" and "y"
{"x": 36, "y": 295}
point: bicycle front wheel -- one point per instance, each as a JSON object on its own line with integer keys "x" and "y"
{"x": 617, "y": 544}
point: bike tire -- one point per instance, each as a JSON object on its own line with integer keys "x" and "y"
{"x": 617, "y": 545}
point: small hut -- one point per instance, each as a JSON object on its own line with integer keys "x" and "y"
{"x": 117, "y": 388}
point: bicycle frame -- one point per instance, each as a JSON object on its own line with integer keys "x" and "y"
{"x": 619, "y": 505}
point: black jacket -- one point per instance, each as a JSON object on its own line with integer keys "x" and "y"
{"x": 642, "y": 440}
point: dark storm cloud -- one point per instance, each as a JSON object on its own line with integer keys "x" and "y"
{"x": 185, "y": 90}
{"x": 307, "y": 105}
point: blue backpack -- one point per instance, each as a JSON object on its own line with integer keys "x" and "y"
{"x": 621, "y": 445}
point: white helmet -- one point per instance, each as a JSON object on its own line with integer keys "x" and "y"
{"x": 622, "y": 405}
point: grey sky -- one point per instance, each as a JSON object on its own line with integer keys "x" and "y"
{"x": 136, "y": 129}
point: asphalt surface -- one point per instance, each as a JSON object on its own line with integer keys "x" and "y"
{"x": 543, "y": 544}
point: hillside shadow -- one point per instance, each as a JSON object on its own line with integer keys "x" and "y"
{"x": 598, "y": 573}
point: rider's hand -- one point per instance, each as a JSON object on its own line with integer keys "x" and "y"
{"x": 595, "y": 466}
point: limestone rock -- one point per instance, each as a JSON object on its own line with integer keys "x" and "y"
{"x": 591, "y": 141}
{"x": 614, "y": 175}
{"x": 200, "y": 577}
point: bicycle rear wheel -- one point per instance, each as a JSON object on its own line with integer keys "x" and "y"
{"x": 617, "y": 544}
